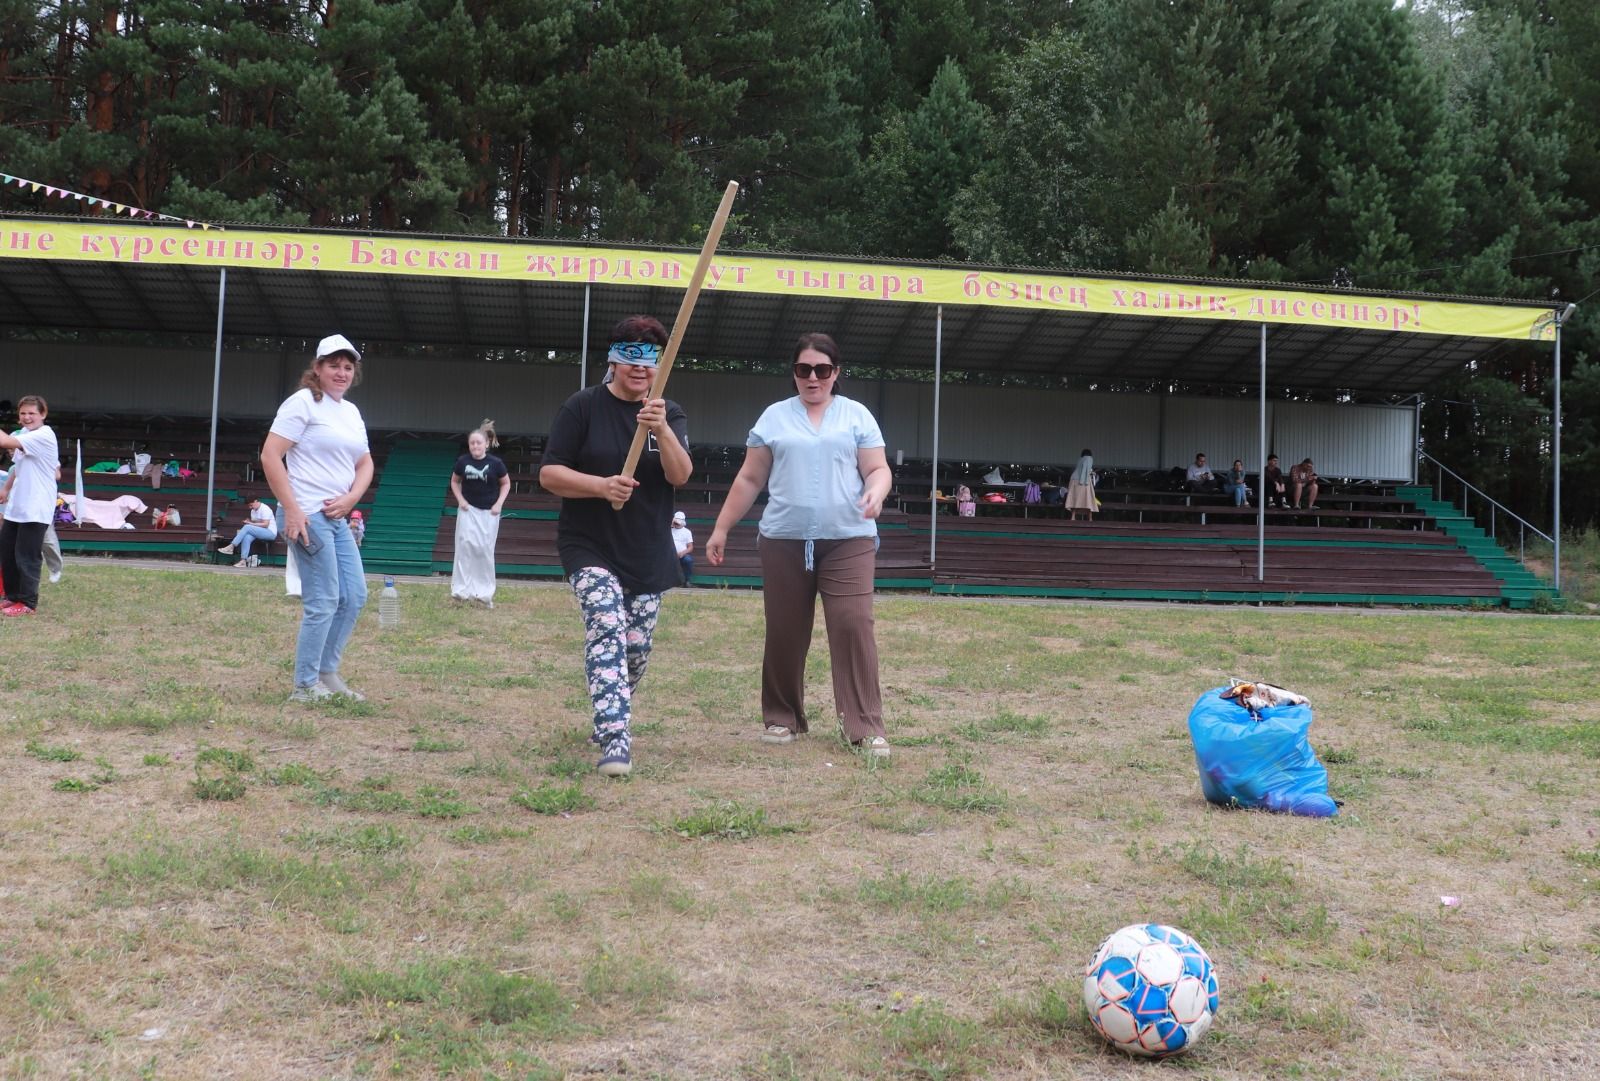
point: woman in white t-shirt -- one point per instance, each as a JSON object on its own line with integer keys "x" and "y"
{"x": 317, "y": 460}
{"x": 259, "y": 525}
{"x": 30, "y": 505}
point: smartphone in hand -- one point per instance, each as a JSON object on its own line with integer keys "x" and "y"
{"x": 311, "y": 545}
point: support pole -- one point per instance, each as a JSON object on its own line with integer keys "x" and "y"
{"x": 583, "y": 359}
{"x": 1261, "y": 497}
{"x": 216, "y": 388}
{"x": 1555, "y": 453}
{"x": 933, "y": 484}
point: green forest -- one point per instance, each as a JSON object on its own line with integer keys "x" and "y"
{"x": 1444, "y": 146}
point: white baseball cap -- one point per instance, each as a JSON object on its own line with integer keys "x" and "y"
{"x": 336, "y": 343}
{"x": 678, "y": 516}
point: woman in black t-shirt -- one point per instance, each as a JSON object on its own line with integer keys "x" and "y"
{"x": 618, "y": 561}
{"x": 480, "y": 483}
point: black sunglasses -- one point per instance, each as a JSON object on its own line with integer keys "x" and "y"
{"x": 821, "y": 371}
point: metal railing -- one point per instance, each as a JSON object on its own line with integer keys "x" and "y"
{"x": 1496, "y": 508}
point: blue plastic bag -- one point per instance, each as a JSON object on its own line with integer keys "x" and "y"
{"x": 1266, "y": 763}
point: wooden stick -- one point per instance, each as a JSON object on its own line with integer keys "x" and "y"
{"x": 658, "y": 386}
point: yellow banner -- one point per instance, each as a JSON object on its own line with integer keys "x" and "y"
{"x": 739, "y": 272}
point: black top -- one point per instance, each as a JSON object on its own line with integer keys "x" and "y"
{"x": 480, "y": 480}
{"x": 591, "y": 434}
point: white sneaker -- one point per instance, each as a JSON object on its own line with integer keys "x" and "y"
{"x": 316, "y": 692}
{"x": 55, "y": 576}
{"x": 335, "y": 685}
{"x": 776, "y": 733}
{"x": 242, "y": 563}
{"x": 877, "y": 747}
{"x": 225, "y": 550}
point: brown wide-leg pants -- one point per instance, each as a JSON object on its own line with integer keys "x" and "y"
{"x": 842, "y": 573}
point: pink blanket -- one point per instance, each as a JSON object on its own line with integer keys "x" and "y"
{"x": 109, "y": 514}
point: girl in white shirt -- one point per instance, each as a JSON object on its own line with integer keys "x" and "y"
{"x": 317, "y": 460}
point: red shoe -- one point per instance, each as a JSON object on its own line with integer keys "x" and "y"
{"x": 17, "y": 609}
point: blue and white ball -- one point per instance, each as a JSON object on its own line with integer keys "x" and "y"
{"x": 1150, "y": 990}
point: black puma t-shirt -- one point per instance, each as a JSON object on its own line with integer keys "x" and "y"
{"x": 480, "y": 480}
{"x": 591, "y": 434}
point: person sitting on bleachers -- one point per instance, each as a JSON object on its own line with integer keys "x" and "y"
{"x": 1272, "y": 480}
{"x": 1303, "y": 478}
{"x": 260, "y": 524}
{"x": 1199, "y": 477}
{"x": 1236, "y": 485}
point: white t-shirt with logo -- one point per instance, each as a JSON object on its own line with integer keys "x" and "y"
{"x": 329, "y": 438}
{"x": 33, "y": 487}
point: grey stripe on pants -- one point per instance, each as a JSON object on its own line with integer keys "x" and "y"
{"x": 842, "y": 573}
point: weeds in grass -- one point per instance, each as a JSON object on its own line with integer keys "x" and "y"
{"x": 74, "y": 784}
{"x": 1002, "y": 724}
{"x": 295, "y": 775}
{"x": 926, "y": 1041}
{"x": 923, "y": 894}
{"x": 371, "y": 840}
{"x": 226, "y": 787}
{"x": 221, "y": 757}
{"x": 728, "y": 820}
{"x": 433, "y": 745}
{"x": 51, "y": 754}
{"x": 624, "y": 979}
{"x": 550, "y": 799}
{"x": 958, "y": 787}
{"x": 468, "y": 987}
{"x": 568, "y": 766}
{"x": 157, "y": 760}
{"x": 435, "y": 802}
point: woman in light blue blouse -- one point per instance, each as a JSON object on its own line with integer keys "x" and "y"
{"x": 821, "y": 458}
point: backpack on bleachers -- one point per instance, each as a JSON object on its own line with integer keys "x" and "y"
{"x": 1031, "y": 492}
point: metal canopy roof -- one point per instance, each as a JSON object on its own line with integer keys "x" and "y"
{"x": 476, "y": 314}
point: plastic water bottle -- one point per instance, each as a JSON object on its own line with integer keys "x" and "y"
{"x": 389, "y": 605}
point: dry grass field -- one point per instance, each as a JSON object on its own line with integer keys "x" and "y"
{"x": 198, "y": 880}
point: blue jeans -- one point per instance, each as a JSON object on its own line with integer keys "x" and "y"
{"x": 333, "y": 589}
{"x": 248, "y": 533}
{"x": 1240, "y": 493}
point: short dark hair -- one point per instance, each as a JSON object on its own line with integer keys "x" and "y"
{"x": 1087, "y": 453}
{"x": 639, "y": 328}
{"x": 819, "y": 342}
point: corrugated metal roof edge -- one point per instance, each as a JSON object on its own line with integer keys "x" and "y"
{"x": 1102, "y": 275}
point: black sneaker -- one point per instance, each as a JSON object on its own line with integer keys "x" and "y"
{"x": 616, "y": 762}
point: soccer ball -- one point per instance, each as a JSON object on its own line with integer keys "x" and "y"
{"x": 1150, "y": 990}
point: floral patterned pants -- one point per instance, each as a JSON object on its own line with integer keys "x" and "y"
{"x": 617, "y": 631}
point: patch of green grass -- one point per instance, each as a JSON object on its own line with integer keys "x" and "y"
{"x": 628, "y": 980}
{"x": 159, "y": 866}
{"x": 551, "y": 799}
{"x": 236, "y": 761}
{"x": 926, "y": 893}
{"x": 74, "y": 784}
{"x": 569, "y": 766}
{"x": 958, "y": 787}
{"x": 160, "y": 714}
{"x": 433, "y": 745}
{"x": 371, "y": 840}
{"x": 648, "y": 890}
{"x": 46, "y": 753}
{"x": 1056, "y": 1011}
{"x": 468, "y": 988}
{"x": 364, "y": 801}
{"x": 1004, "y": 723}
{"x": 435, "y": 802}
{"x": 728, "y": 820}
{"x": 225, "y": 788}
{"x": 157, "y": 760}
{"x": 474, "y": 835}
{"x": 295, "y": 775}
{"x": 927, "y": 1042}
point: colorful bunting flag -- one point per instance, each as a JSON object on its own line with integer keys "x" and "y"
{"x": 91, "y": 200}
